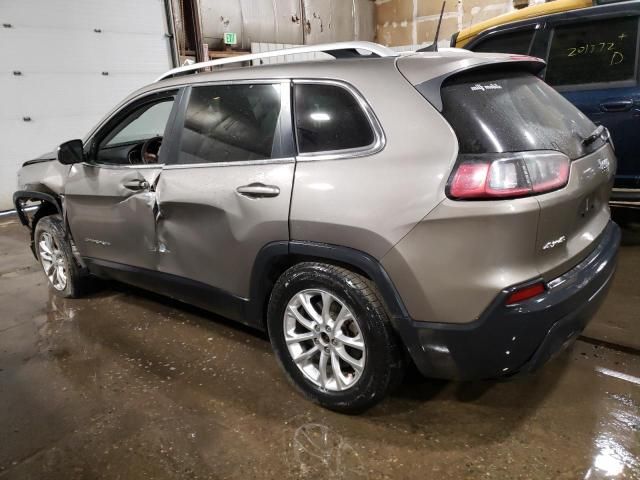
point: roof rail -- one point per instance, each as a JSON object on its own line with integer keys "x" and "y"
{"x": 337, "y": 50}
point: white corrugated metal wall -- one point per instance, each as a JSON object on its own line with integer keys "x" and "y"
{"x": 64, "y": 64}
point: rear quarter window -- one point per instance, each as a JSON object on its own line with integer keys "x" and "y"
{"x": 329, "y": 118}
{"x": 593, "y": 52}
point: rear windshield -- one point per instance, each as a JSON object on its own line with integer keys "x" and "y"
{"x": 495, "y": 112}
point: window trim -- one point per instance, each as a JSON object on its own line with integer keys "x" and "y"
{"x": 149, "y": 105}
{"x": 500, "y": 32}
{"x": 283, "y": 128}
{"x": 379, "y": 138}
{"x": 632, "y": 82}
{"x": 126, "y": 103}
{"x": 123, "y": 111}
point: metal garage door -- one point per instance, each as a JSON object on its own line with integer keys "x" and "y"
{"x": 64, "y": 64}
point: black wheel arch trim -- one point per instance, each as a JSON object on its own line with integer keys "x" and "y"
{"x": 275, "y": 252}
{"x": 21, "y": 195}
{"x": 45, "y": 197}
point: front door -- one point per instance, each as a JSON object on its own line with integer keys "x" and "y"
{"x": 227, "y": 190}
{"x": 110, "y": 199}
{"x": 594, "y": 64}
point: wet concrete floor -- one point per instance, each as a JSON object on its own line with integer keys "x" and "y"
{"x": 125, "y": 385}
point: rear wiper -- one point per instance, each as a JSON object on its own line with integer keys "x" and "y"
{"x": 595, "y": 135}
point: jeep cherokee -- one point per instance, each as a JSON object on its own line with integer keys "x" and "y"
{"x": 445, "y": 208}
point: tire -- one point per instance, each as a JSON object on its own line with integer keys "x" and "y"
{"x": 66, "y": 280}
{"x": 362, "y": 335}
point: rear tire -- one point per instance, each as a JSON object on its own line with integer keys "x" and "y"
{"x": 54, "y": 253}
{"x": 332, "y": 336}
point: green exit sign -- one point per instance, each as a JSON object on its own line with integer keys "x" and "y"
{"x": 230, "y": 38}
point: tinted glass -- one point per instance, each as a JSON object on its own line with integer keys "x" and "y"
{"x": 145, "y": 122}
{"x": 593, "y": 52}
{"x": 329, "y": 118}
{"x": 516, "y": 42}
{"x": 229, "y": 123}
{"x": 511, "y": 112}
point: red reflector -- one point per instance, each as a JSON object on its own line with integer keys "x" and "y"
{"x": 525, "y": 293}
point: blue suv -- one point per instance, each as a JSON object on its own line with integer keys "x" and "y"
{"x": 592, "y": 60}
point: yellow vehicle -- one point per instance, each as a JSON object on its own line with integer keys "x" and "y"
{"x": 461, "y": 38}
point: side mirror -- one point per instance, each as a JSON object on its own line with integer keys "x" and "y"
{"x": 71, "y": 152}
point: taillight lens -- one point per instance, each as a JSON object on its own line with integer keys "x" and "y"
{"x": 508, "y": 175}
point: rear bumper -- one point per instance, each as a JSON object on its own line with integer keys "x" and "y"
{"x": 519, "y": 338}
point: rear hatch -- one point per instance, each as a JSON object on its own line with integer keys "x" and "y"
{"x": 529, "y": 141}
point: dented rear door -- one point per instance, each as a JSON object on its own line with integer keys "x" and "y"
{"x": 227, "y": 191}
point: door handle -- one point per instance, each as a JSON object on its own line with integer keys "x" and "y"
{"x": 258, "y": 190}
{"x": 136, "y": 185}
{"x": 622, "y": 105}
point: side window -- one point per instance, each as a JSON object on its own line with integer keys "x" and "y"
{"x": 513, "y": 42}
{"x": 230, "y": 123}
{"x": 328, "y": 118}
{"x": 136, "y": 138}
{"x": 593, "y": 52}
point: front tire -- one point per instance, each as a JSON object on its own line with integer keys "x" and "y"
{"x": 333, "y": 337}
{"x": 54, "y": 253}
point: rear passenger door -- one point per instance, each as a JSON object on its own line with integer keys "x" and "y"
{"x": 593, "y": 63}
{"x": 225, "y": 191}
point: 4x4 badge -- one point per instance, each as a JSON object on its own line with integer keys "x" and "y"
{"x": 604, "y": 165}
{"x": 554, "y": 243}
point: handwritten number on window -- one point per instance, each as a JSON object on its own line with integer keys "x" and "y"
{"x": 592, "y": 48}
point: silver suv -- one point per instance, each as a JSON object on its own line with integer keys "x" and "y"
{"x": 447, "y": 209}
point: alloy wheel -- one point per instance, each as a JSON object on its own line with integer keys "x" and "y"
{"x": 53, "y": 261}
{"x": 324, "y": 340}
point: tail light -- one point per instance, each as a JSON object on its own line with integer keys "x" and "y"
{"x": 507, "y": 175}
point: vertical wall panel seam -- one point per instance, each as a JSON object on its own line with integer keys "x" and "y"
{"x": 276, "y": 23}
{"x": 356, "y": 24}
{"x": 414, "y": 24}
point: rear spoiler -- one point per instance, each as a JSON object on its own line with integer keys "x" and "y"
{"x": 429, "y": 86}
